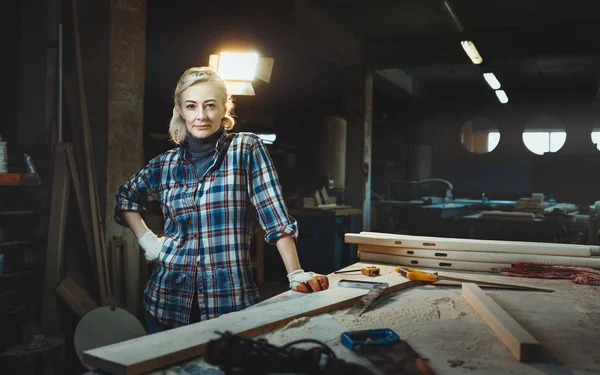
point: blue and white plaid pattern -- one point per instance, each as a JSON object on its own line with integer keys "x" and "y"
{"x": 209, "y": 225}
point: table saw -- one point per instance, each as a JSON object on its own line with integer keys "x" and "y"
{"x": 435, "y": 320}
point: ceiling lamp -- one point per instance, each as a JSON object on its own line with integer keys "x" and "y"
{"x": 491, "y": 79}
{"x": 471, "y": 51}
{"x": 239, "y": 69}
{"x": 502, "y": 97}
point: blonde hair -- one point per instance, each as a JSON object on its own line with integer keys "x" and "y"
{"x": 177, "y": 128}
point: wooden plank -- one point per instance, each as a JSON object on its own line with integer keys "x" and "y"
{"x": 482, "y": 257}
{"x": 56, "y": 240}
{"x": 519, "y": 342}
{"x": 164, "y": 348}
{"x": 83, "y": 208}
{"x": 75, "y": 296}
{"x": 463, "y": 244}
{"x": 399, "y": 260}
{"x": 101, "y": 260}
{"x": 512, "y": 215}
{"x": 119, "y": 271}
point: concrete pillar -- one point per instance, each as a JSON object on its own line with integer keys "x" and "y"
{"x": 358, "y": 108}
{"x": 127, "y": 51}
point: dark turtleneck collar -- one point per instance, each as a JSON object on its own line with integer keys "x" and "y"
{"x": 203, "y": 145}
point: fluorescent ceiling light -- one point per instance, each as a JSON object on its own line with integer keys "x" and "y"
{"x": 492, "y": 80}
{"x": 502, "y": 97}
{"x": 471, "y": 51}
{"x": 235, "y": 66}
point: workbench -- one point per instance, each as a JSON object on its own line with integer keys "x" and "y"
{"x": 440, "y": 325}
{"x": 538, "y": 229}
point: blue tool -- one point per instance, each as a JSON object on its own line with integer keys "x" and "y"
{"x": 382, "y": 336}
{"x": 384, "y": 349}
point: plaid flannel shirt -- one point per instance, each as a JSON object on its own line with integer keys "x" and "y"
{"x": 209, "y": 223}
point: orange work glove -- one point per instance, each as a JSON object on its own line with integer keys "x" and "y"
{"x": 307, "y": 282}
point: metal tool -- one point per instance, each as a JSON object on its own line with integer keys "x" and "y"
{"x": 361, "y": 284}
{"x": 376, "y": 289}
{"x": 367, "y": 271}
{"x": 418, "y": 275}
{"x": 384, "y": 349}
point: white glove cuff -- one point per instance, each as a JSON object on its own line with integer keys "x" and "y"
{"x": 296, "y": 272}
{"x": 145, "y": 234}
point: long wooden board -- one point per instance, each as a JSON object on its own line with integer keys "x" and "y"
{"x": 154, "y": 351}
{"x": 398, "y": 260}
{"x": 519, "y": 342}
{"x": 483, "y": 257}
{"x": 463, "y": 244}
{"x": 76, "y": 297}
{"x": 55, "y": 249}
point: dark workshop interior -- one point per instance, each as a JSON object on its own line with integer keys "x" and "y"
{"x": 381, "y": 120}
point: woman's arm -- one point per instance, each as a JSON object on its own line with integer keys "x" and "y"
{"x": 287, "y": 249}
{"x": 135, "y": 222}
{"x": 300, "y": 281}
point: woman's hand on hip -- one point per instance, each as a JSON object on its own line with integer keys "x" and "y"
{"x": 151, "y": 244}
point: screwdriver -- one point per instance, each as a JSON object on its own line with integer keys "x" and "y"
{"x": 415, "y": 274}
{"x": 367, "y": 271}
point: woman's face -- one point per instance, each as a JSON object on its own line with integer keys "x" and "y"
{"x": 202, "y": 108}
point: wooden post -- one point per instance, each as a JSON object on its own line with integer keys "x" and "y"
{"x": 127, "y": 46}
{"x": 358, "y": 103}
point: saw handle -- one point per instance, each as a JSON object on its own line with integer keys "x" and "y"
{"x": 417, "y": 275}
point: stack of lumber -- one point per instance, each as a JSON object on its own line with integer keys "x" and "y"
{"x": 535, "y": 205}
{"x": 507, "y": 215}
{"x": 467, "y": 254}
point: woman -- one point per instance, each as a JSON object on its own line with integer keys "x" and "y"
{"x": 211, "y": 189}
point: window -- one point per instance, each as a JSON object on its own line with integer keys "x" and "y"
{"x": 493, "y": 140}
{"x": 541, "y": 142}
{"x": 267, "y": 138}
{"x": 479, "y": 135}
{"x": 596, "y": 138}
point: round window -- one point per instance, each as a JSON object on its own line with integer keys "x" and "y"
{"x": 479, "y": 135}
{"x": 544, "y": 135}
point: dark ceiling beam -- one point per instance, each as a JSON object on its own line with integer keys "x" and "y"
{"x": 397, "y": 83}
{"x": 333, "y": 41}
{"x": 319, "y": 32}
{"x": 519, "y": 42}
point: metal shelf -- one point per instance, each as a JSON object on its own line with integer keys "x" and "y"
{"x": 16, "y": 243}
{"x": 18, "y": 212}
{"x": 8, "y": 275}
{"x": 22, "y": 184}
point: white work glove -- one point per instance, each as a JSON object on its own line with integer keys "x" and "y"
{"x": 307, "y": 282}
{"x": 151, "y": 244}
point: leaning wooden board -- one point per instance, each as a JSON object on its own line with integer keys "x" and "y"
{"x": 483, "y": 257}
{"x": 462, "y": 244}
{"x": 154, "y": 351}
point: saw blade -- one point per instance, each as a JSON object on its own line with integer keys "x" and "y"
{"x": 361, "y": 284}
{"x": 367, "y": 300}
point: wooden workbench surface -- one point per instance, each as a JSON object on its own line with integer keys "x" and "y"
{"x": 439, "y": 324}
